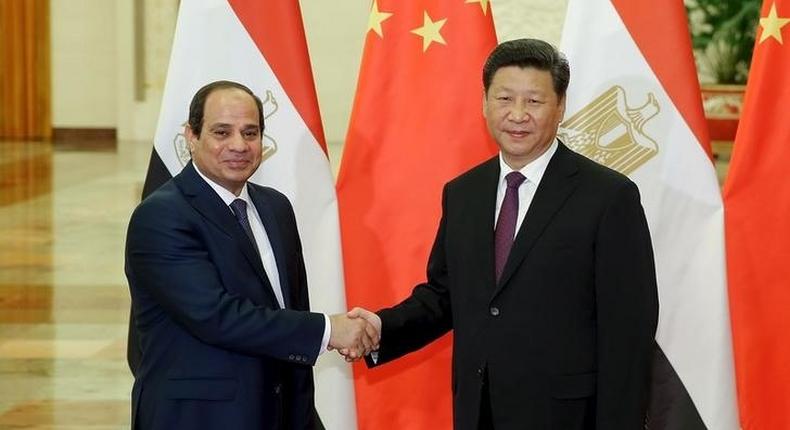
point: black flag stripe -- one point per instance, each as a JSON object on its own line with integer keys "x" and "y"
{"x": 671, "y": 407}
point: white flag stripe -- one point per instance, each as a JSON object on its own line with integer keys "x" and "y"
{"x": 211, "y": 44}
{"x": 682, "y": 203}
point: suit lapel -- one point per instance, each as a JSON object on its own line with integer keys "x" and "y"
{"x": 272, "y": 226}
{"x": 556, "y": 186}
{"x": 481, "y": 214}
{"x": 211, "y": 206}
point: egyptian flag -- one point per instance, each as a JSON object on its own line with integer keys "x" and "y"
{"x": 261, "y": 44}
{"x": 634, "y": 105}
{"x": 416, "y": 123}
{"x": 757, "y": 203}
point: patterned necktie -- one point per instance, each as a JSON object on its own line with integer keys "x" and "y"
{"x": 239, "y": 208}
{"x": 506, "y": 222}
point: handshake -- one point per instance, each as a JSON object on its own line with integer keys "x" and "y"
{"x": 355, "y": 334}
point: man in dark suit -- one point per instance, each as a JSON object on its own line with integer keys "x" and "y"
{"x": 218, "y": 286}
{"x": 542, "y": 267}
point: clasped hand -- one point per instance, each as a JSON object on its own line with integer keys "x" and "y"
{"x": 355, "y": 334}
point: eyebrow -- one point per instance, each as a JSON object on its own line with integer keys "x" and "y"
{"x": 226, "y": 125}
{"x": 529, "y": 91}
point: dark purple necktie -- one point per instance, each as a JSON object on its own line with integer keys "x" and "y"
{"x": 506, "y": 222}
{"x": 239, "y": 208}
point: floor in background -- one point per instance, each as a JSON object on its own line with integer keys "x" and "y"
{"x": 64, "y": 303}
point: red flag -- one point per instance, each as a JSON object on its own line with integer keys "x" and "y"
{"x": 416, "y": 123}
{"x": 757, "y": 214}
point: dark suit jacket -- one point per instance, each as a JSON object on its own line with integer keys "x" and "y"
{"x": 217, "y": 351}
{"x": 564, "y": 339}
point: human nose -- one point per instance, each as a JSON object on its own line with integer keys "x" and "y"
{"x": 237, "y": 143}
{"x": 518, "y": 113}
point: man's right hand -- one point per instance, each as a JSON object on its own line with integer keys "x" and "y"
{"x": 373, "y": 328}
{"x": 354, "y": 337}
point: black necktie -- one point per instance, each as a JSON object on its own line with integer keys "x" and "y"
{"x": 239, "y": 208}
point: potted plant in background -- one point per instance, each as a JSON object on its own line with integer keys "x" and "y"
{"x": 723, "y": 33}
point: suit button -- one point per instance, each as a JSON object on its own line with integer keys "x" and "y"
{"x": 480, "y": 372}
{"x": 277, "y": 389}
{"x": 494, "y": 311}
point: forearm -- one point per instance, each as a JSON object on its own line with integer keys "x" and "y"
{"x": 410, "y": 325}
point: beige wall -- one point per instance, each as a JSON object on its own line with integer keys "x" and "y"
{"x": 94, "y": 67}
{"x": 529, "y": 18}
{"x": 138, "y": 113}
{"x": 335, "y": 33}
{"x": 83, "y": 63}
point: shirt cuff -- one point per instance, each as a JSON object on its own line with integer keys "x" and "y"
{"x": 327, "y": 333}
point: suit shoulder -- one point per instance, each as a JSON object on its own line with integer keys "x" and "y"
{"x": 598, "y": 173}
{"x": 608, "y": 185}
{"x": 476, "y": 174}
{"x": 163, "y": 201}
{"x": 274, "y": 199}
{"x": 165, "y": 193}
{"x": 267, "y": 191}
{"x": 270, "y": 194}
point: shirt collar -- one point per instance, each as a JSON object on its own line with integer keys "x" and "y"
{"x": 222, "y": 192}
{"x": 534, "y": 170}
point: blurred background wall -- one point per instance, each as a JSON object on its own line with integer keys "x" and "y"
{"x": 110, "y": 57}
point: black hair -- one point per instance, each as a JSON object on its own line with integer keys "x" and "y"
{"x": 529, "y": 53}
{"x": 198, "y": 104}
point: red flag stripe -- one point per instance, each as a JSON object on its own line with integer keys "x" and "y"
{"x": 266, "y": 17}
{"x": 757, "y": 206}
{"x": 664, "y": 51}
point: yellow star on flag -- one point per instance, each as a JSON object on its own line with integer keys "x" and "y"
{"x": 430, "y": 31}
{"x": 772, "y": 25}
{"x": 376, "y": 18}
{"x": 483, "y": 4}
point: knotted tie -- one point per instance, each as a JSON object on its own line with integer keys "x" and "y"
{"x": 506, "y": 222}
{"x": 239, "y": 208}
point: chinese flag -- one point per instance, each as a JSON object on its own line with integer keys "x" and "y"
{"x": 416, "y": 123}
{"x": 757, "y": 213}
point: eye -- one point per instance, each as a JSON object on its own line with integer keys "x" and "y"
{"x": 250, "y": 134}
{"x": 220, "y": 133}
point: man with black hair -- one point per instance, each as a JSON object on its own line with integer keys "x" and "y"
{"x": 542, "y": 267}
{"x": 219, "y": 291}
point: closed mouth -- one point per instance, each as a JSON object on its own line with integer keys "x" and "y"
{"x": 237, "y": 163}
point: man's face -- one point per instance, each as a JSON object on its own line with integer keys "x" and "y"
{"x": 229, "y": 148}
{"x": 522, "y": 112}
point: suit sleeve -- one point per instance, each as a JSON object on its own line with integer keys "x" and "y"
{"x": 169, "y": 264}
{"x": 426, "y": 314}
{"x": 627, "y": 311}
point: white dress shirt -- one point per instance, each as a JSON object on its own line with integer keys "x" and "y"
{"x": 533, "y": 171}
{"x": 264, "y": 246}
